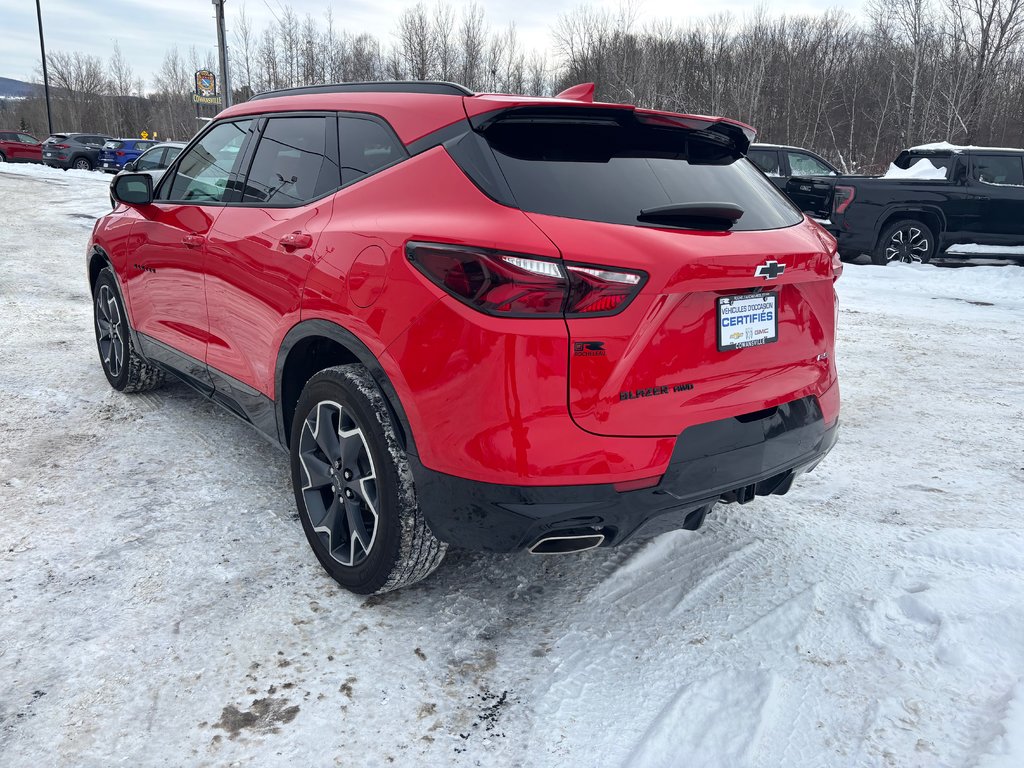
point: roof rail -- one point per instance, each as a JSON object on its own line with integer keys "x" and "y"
{"x": 383, "y": 86}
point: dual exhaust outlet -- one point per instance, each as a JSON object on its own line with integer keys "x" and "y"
{"x": 566, "y": 543}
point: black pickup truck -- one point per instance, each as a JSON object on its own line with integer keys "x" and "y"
{"x": 938, "y": 196}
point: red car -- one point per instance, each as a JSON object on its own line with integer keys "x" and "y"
{"x": 494, "y": 321}
{"x": 18, "y": 147}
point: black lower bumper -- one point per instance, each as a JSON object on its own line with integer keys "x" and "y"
{"x": 729, "y": 460}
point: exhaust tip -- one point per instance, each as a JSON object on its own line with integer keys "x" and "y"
{"x": 567, "y": 544}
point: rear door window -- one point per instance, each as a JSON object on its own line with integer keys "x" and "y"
{"x": 293, "y": 163}
{"x": 801, "y": 164}
{"x": 203, "y": 173}
{"x": 366, "y": 147}
{"x": 999, "y": 169}
{"x": 609, "y": 169}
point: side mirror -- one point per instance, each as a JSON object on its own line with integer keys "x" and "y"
{"x": 129, "y": 166}
{"x": 132, "y": 188}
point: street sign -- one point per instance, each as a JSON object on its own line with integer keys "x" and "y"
{"x": 206, "y": 88}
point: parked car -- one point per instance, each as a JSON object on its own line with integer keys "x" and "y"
{"x": 935, "y": 197}
{"x": 80, "y": 151}
{"x": 18, "y": 147}
{"x": 153, "y": 161}
{"x": 780, "y": 162}
{"x": 501, "y": 322}
{"x": 157, "y": 157}
{"x": 117, "y": 152}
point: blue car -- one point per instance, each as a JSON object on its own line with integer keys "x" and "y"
{"x": 117, "y": 152}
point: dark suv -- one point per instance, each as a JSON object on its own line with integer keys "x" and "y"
{"x": 495, "y": 321}
{"x": 80, "y": 151}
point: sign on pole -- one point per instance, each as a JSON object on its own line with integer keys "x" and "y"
{"x": 206, "y": 88}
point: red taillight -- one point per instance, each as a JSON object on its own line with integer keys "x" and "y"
{"x": 119, "y": 153}
{"x": 515, "y": 285}
{"x": 61, "y": 146}
{"x": 841, "y": 198}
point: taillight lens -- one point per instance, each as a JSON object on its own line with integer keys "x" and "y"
{"x": 841, "y": 198}
{"x": 61, "y": 146}
{"x": 516, "y": 285}
{"x": 119, "y": 153}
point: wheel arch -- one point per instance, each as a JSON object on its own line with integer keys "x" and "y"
{"x": 310, "y": 347}
{"x": 96, "y": 262}
{"x": 932, "y": 217}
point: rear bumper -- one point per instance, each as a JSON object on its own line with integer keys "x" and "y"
{"x": 726, "y": 460}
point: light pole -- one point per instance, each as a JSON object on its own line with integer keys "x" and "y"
{"x": 46, "y": 77}
{"x": 225, "y": 83}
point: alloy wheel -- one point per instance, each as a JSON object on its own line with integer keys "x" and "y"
{"x": 340, "y": 490}
{"x": 908, "y": 245}
{"x": 109, "y": 331}
{"x": 81, "y": 164}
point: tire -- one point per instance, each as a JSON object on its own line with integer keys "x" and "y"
{"x": 125, "y": 369}
{"x": 3, "y": 157}
{"x": 81, "y": 164}
{"x": 353, "y": 486}
{"x": 907, "y": 240}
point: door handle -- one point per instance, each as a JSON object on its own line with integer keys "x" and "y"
{"x": 193, "y": 241}
{"x": 294, "y": 240}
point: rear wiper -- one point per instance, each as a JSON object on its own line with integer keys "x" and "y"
{"x": 696, "y": 215}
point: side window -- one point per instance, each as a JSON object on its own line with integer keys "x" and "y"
{"x": 172, "y": 153}
{"x": 292, "y": 164}
{"x": 150, "y": 160}
{"x": 26, "y": 139}
{"x": 999, "y": 169}
{"x": 93, "y": 141}
{"x": 765, "y": 159}
{"x": 6, "y": 137}
{"x": 805, "y": 165}
{"x": 202, "y": 175}
{"x": 366, "y": 147}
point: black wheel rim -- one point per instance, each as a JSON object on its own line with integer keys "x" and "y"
{"x": 109, "y": 331}
{"x": 340, "y": 483}
{"x": 909, "y": 245}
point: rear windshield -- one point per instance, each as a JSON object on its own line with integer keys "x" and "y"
{"x": 113, "y": 145}
{"x": 57, "y": 137}
{"x": 907, "y": 159}
{"x": 608, "y": 170}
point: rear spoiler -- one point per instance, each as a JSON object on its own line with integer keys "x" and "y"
{"x": 734, "y": 133}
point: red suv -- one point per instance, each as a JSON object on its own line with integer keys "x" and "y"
{"x": 18, "y": 147}
{"x": 493, "y": 321}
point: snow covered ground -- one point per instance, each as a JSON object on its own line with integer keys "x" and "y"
{"x": 159, "y": 604}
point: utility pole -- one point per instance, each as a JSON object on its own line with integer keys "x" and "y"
{"x": 225, "y": 83}
{"x": 46, "y": 77}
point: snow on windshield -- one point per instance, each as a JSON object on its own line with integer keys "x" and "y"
{"x": 922, "y": 169}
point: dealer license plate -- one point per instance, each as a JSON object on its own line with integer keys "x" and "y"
{"x": 747, "y": 321}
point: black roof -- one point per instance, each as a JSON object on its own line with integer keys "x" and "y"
{"x": 383, "y": 86}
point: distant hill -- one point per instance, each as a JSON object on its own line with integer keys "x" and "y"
{"x": 17, "y": 88}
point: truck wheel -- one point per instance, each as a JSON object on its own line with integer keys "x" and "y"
{"x": 907, "y": 240}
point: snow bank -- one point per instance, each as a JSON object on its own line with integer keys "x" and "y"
{"x": 923, "y": 169}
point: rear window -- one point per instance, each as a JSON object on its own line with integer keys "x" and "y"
{"x": 56, "y": 137}
{"x": 609, "y": 169}
{"x": 907, "y": 159}
{"x": 113, "y": 144}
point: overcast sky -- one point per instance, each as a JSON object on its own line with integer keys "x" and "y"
{"x": 146, "y": 28}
